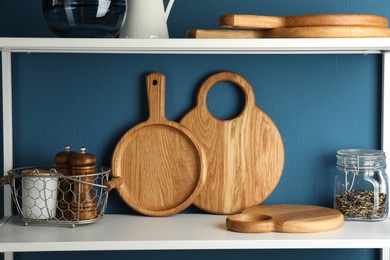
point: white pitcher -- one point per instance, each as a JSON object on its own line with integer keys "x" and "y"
{"x": 146, "y": 19}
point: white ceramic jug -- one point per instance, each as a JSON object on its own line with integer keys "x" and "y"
{"x": 146, "y": 19}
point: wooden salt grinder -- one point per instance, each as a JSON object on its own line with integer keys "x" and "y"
{"x": 62, "y": 161}
{"x": 84, "y": 203}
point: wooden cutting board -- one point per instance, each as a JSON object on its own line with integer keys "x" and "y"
{"x": 272, "y": 22}
{"x": 329, "y": 32}
{"x": 224, "y": 34}
{"x": 288, "y": 218}
{"x": 245, "y": 155}
{"x": 159, "y": 165}
{"x": 297, "y": 32}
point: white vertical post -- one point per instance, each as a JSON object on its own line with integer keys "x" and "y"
{"x": 385, "y": 254}
{"x": 8, "y": 256}
{"x": 386, "y": 107}
{"x": 7, "y": 126}
{"x": 7, "y": 133}
{"x": 386, "y": 122}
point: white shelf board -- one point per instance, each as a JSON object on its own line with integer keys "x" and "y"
{"x": 181, "y": 231}
{"x": 197, "y": 46}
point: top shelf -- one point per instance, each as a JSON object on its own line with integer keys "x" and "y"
{"x": 197, "y": 46}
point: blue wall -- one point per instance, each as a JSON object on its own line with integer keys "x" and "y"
{"x": 320, "y": 103}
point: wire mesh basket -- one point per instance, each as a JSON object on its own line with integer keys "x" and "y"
{"x": 43, "y": 195}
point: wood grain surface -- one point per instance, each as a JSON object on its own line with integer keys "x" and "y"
{"x": 272, "y": 22}
{"x": 297, "y": 32}
{"x": 161, "y": 165}
{"x": 288, "y": 218}
{"x": 245, "y": 155}
{"x": 224, "y": 34}
{"x": 329, "y": 32}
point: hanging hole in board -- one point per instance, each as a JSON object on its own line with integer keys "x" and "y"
{"x": 225, "y": 100}
{"x": 154, "y": 82}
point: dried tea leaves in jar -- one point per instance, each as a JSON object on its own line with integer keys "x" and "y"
{"x": 361, "y": 204}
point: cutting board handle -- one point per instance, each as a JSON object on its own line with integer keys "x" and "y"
{"x": 155, "y": 87}
{"x": 114, "y": 183}
{"x": 250, "y": 224}
{"x": 232, "y": 77}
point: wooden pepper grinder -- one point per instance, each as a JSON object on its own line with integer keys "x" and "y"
{"x": 84, "y": 204}
{"x": 65, "y": 195}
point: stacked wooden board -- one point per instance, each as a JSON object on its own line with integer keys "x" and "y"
{"x": 304, "y": 26}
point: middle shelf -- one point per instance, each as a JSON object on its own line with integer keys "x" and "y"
{"x": 178, "y": 232}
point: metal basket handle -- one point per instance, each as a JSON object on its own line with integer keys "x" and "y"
{"x": 4, "y": 180}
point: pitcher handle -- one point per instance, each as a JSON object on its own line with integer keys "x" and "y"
{"x": 168, "y": 9}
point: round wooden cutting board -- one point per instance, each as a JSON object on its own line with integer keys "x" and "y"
{"x": 287, "y": 218}
{"x": 245, "y": 155}
{"x": 161, "y": 165}
{"x": 328, "y": 32}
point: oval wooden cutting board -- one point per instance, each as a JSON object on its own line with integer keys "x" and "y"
{"x": 160, "y": 165}
{"x": 288, "y": 218}
{"x": 272, "y": 22}
{"x": 245, "y": 155}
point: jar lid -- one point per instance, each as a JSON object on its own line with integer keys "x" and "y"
{"x": 361, "y": 159}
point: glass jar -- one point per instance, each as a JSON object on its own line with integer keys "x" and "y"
{"x": 361, "y": 185}
{"x": 85, "y": 18}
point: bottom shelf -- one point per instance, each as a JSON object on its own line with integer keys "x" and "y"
{"x": 181, "y": 231}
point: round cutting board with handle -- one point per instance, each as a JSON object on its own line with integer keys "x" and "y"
{"x": 161, "y": 165}
{"x": 245, "y": 155}
{"x": 287, "y": 218}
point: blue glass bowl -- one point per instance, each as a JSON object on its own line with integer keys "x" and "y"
{"x": 85, "y": 18}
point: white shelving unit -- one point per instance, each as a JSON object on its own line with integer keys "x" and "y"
{"x": 182, "y": 231}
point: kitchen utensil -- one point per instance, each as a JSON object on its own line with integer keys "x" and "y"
{"x": 65, "y": 196}
{"x": 84, "y": 202}
{"x": 34, "y": 192}
{"x": 297, "y": 32}
{"x": 161, "y": 164}
{"x": 245, "y": 155}
{"x": 287, "y": 218}
{"x": 146, "y": 19}
{"x": 85, "y": 18}
{"x": 272, "y": 22}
